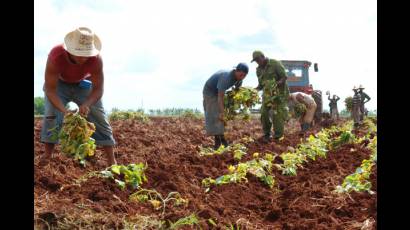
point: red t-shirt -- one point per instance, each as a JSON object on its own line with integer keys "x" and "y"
{"x": 69, "y": 72}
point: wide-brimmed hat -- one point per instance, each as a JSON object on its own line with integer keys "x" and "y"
{"x": 361, "y": 87}
{"x": 82, "y": 42}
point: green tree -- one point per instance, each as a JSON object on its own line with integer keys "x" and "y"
{"x": 344, "y": 113}
{"x": 38, "y": 105}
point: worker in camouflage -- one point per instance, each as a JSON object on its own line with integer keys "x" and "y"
{"x": 271, "y": 71}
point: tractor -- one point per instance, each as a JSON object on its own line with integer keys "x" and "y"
{"x": 298, "y": 81}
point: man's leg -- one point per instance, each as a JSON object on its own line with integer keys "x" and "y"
{"x": 278, "y": 124}
{"x": 213, "y": 126}
{"x": 217, "y": 142}
{"x": 356, "y": 115}
{"x": 109, "y": 152}
{"x": 331, "y": 112}
{"x": 308, "y": 118}
{"x": 49, "y": 122}
{"x": 208, "y": 122}
{"x": 49, "y": 149}
{"x": 265, "y": 120}
{"x": 53, "y": 118}
{"x": 279, "y": 117}
{"x": 103, "y": 132}
{"x": 362, "y": 111}
{"x": 224, "y": 141}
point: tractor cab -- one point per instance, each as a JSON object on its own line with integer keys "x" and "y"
{"x": 298, "y": 76}
{"x": 298, "y": 81}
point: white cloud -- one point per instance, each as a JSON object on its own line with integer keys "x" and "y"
{"x": 162, "y": 52}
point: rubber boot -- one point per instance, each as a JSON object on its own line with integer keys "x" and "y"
{"x": 217, "y": 142}
{"x": 223, "y": 141}
{"x": 267, "y": 137}
{"x": 305, "y": 127}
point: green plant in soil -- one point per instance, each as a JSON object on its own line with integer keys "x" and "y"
{"x": 132, "y": 175}
{"x": 316, "y": 146}
{"x": 346, "y": 137}
{"x": 189, "y": 220}
{"x": 291, "y": 161}
{"x": 238, "y": 150}
{"x": 359, "y": 180}
{"x": 259, "y": 167}
{"x": 156, "y": 199}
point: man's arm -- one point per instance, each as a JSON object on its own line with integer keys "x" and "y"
{"x": 366, "y": 97}
{"x": 260, "y": 86}
{"x": 337, "y": 98}
{"x": 280, "y": 71}
{"x": 50, "y": 86}
{"x": 97, "y": 79}
{"x": 238, "y": 84}
{"x": 329, "y": 98}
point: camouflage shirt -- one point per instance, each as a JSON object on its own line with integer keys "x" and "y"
{"x": 274, "y": 70}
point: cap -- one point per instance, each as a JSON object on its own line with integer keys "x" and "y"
{"x": 242, "y": 67}
{"x": 256, "y": 54}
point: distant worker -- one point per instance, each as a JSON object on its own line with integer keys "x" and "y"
{"x": 363, "y": 97}
{"x": 213, "y": 94}
{"x": 334, "y": 112}
{"x": 356, "y": 103}
{"x": 309, "y": 102}
{"x": 270, "y": 69}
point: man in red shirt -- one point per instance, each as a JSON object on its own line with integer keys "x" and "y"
{"x": 74, "y": 72}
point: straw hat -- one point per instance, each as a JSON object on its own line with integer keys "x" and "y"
{"x": 82, "y": 42}
{"x": 361, "y": 87}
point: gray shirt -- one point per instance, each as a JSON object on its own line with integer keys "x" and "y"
{"x": 220, "y": 82}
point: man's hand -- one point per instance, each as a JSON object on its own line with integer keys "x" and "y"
{"x": 84, "y": 110}
{"x": 65, "y": 111}
{"x": 221, "y": 117}
{"x": 281, "y": 82}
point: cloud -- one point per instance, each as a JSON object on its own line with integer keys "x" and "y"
{"x": 162, "y": 52}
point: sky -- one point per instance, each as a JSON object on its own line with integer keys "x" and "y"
{"x": 159, "y": 54}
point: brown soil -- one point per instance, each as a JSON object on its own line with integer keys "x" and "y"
{"x": 170, "y": 148}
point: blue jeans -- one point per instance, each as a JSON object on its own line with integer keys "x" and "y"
{"x": 73, "y": 92}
